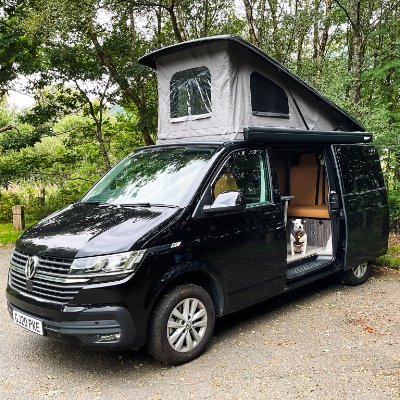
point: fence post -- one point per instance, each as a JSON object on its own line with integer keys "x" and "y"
{"x": 18, "y": 218}
{"x": 42, "y": 197}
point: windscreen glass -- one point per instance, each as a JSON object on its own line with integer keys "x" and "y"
{"x": 159, "y": 175}
{"x": 190, "y": 92}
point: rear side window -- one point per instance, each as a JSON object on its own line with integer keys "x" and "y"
{"x": 190, "y": 92}
{"x": 360, "y": 168}
{"x": 267, "y": 98}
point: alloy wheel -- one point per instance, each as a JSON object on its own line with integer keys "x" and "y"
{"x": 360, "y": 270}
{"x": 187, "y": 324}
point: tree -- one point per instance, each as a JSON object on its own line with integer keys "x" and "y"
{"x": 364, "y": 18}
{"x": 18, "y": 54}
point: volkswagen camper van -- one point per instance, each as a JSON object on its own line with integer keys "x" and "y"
{"x": 199, "y": 225}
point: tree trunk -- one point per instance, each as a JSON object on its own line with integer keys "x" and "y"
{"x": 325, "y": 31}
{"x": 7, "y": 128}
{"x": 356, "y": 44}
{"x": 103, "y": 149}
{"x": 300, "y": 52}
{"x": 250, "y": 21}
{"x": 357, "y": 66}
{"x": 397, "y": 169}
{"x": 206, "y": 12}
{"x": 174, "y": 22}
{"x": 147, "y": 137}
{"x": 276, "y": 35}
{"x": 159, "y": 25}
{"x": 316, "y": 46}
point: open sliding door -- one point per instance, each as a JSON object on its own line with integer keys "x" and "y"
{"x": 364, "y": 200}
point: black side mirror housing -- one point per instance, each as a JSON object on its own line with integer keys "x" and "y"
{"x": 226, "y": 202}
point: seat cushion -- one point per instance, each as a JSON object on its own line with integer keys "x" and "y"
{"x": 303, "y": 181}
{"x": 225, "y": 183}
{"x": 301, "y": 211}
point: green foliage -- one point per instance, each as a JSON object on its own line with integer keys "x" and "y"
{"x": 30, "y": 196}
{"x": 52, "y": 104}
{"x": 20, "y": 136}
{"x": 391, "y": 259}
{"x": 394, "y": 205}
{"x": 18, "y": 53}
{"x": 8, "y": 234}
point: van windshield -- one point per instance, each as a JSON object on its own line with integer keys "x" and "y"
{"x": 153, "y": 176}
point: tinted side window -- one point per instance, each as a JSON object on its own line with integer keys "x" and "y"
{"x": 267, "y": 98}
{"x": 360, "y": 168}
{"x": 190, "y": 92}
{"x": 246, "y": 171}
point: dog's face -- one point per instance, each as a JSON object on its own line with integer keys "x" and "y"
{"x": 298, "y": 224}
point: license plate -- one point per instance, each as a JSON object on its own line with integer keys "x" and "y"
{"x": 27, "y": 322}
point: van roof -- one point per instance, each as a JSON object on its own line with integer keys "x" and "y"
{"x": 150, "y": 60}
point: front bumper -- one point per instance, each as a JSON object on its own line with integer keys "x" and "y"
{"x": 89, "y": 326}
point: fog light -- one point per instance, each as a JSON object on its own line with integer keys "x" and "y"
{"x": 114, "y": 337}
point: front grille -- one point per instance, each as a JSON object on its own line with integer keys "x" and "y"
{"x": 50, "y": 282}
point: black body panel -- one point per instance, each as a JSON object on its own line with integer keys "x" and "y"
{"x": 365, "y": 203}
{"x": 249, "y": 250}
{"x": 89, "y": 322}
{"x": 84, "y": 230}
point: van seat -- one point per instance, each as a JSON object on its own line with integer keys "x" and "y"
{"x": 303, "y": 181}
{"x": 302, "y": 211}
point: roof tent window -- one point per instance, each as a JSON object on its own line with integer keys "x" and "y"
{"x": 190, "y": 93}
{"x": 267, "y": 98}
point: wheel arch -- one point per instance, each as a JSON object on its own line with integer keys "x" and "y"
{"x": 194, "y": 274}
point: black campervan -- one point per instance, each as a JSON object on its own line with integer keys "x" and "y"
{"x": 257, "y": 185}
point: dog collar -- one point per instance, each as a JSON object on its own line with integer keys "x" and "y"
{"x": 298, "y": 234}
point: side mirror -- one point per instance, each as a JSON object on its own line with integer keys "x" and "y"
{"x": 226, "y": 202}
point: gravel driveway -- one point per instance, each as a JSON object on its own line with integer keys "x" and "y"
{"x": 325, "y": 341}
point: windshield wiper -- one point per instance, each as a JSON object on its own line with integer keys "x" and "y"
{"x": 127, "y": 205}
{"x": 147, "y": 205}
{"x": 99, "y": 203}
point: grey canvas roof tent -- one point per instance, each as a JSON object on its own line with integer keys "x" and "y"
{"x": 224, "y": 88}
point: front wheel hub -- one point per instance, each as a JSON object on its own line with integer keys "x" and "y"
{"x": 187, "y": 325}
{"x": 360, "y": 270}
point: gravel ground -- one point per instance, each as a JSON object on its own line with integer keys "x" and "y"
{"x": 325, "y": 341}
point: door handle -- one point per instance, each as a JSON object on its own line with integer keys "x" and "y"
{"x": 334, "y": 200}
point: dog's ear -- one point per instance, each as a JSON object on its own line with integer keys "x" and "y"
{"x": 303, "y": 220}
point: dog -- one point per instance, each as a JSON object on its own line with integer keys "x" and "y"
{"x": 298, "y": 237}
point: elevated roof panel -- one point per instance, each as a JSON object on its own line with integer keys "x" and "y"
{"x": 151, "y": 61}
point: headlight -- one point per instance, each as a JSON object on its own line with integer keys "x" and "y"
{"x": 114, "y": 264}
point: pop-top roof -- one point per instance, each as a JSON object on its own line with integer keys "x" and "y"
{"x": 232, "y": 65}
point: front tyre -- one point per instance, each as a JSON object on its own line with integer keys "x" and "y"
{"x": 181, "y": 325}
{"x": 357, "y": 275}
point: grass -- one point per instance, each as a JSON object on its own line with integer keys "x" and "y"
{"x": 8, "y": 235}
{"x": 392, "y": 258}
